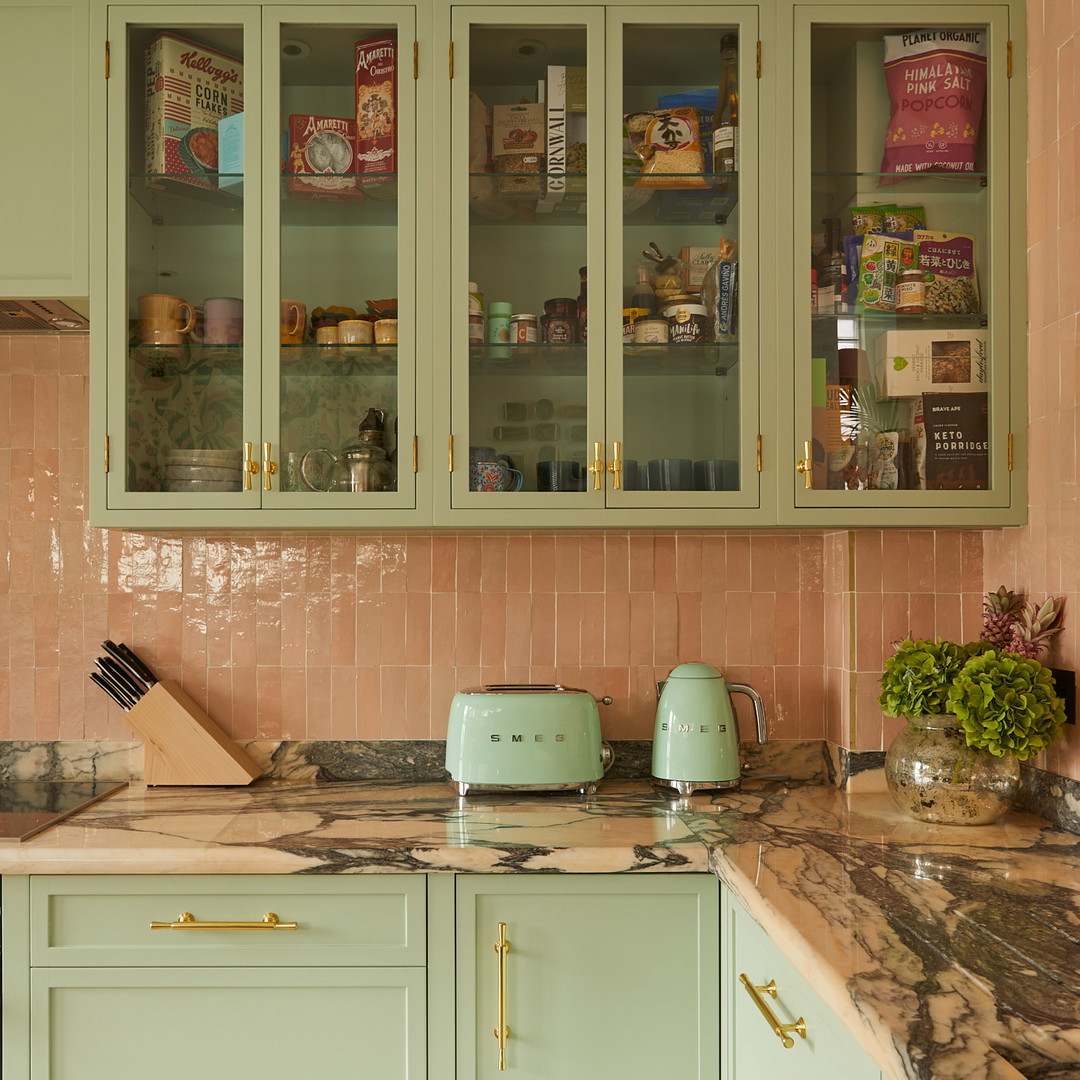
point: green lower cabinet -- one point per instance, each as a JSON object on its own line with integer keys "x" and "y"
{"x": 599, "y": 975}
{"x": 222, "y": 1023}
{"x": 753, "y": 1050}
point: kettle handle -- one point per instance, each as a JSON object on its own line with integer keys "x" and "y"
{"x": 759, "y": 707}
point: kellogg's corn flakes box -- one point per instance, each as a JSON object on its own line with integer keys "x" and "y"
{"x": 189, "y": 88}
{"x": 376, "y": 107}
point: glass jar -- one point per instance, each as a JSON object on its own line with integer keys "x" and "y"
{"x": 559, "y": 321}
{"x": 523, "y": 329}
{"x": 911, "y": 292}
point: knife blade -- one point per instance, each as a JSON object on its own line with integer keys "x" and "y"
{"x": 122, "y": 655}
{"x": 137, "y": 663}
{"x": 116, "y": 692}
{"x": 108, "y": 665}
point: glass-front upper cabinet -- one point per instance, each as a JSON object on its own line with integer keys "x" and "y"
{"x": 681, "y": 300}
{"x": 339, "y": 293}
{"x": 908, "y": 333}
{"x": 261, "y": 271}
{"x": 602, "y": 176}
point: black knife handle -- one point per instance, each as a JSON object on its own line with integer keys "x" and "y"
{"x": 97, "y": 678}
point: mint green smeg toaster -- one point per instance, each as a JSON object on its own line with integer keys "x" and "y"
{"x": 525, "y": 737}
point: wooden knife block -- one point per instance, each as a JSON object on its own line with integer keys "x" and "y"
{"x": 183, "y": 745}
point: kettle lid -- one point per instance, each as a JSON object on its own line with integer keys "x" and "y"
{"x": 695, "y": 670}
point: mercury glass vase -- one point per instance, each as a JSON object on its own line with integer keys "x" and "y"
{"x": 935, "y": 776}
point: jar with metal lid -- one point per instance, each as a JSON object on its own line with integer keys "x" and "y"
{"x": 559, "y": 321}
{"x": 651, "y": 331}
{"x": 476, "y": 328}
{"x": 911, "y": 292}
{"x": 686, "y": 321}
{"x": 524, "y": 329}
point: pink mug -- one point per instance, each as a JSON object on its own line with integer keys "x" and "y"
{"x": 223, "y": 320}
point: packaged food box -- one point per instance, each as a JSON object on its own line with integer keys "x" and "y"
{"x": 189, "y": 89}
{"x": 230, "y": 131}
{"x": 696, "y": 262}
{"x": 376, "y": 109}
{"x": 322, "y": 150}
{"x": 565, "y": 131}
{"x": 913, "y": 362}
{"x": 957, "y": 450}
{"x": 517, "y": 148}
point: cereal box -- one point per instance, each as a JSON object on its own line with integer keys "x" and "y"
{"x": 189, "y": 88}
{"x": 913, "y": 362}
{"x": 322, "y": 150}
{"x": 376, "y": 108}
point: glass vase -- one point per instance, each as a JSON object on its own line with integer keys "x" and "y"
{"x": 933, "y": 774}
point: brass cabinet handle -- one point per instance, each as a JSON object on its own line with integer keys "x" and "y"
{"x": 596, "y": 467}
{"x": 251, "y": 467}
{"x": 187, "y": 921}
{"x": 615, "y": 466}
{"x": 502, "y": 1032}
{"x": 269, "y": 467}
{"x": 779, "y": 1030}
{"x": 805, "y": 465}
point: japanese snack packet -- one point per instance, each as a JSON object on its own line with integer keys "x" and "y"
{"x": 668, "y": 142}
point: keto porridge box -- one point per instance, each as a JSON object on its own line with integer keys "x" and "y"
{"x": 908, "y": 363}
{"x": 321, "y": 154}
{"x": 189, "y": 88}
{"x": 376, "y": 107}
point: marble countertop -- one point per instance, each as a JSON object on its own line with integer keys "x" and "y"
{"x": 949, "y": 952}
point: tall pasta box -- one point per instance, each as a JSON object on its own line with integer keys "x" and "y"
{"x": 376, "y": 109}
{"x": 189, "y": 89}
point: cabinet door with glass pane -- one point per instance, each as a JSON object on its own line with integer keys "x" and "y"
{"x": 179, "y": 326}
{"x": 681, "y": 302}
{"x": 527, "y": 250}
{"x": 339, "y": 306}
{"x": 908, "y": 328}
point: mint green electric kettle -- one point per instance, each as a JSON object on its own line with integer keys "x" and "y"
{"x": 696, "y": 738}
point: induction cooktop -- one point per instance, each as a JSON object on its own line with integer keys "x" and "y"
{"x": 29, "y": 806}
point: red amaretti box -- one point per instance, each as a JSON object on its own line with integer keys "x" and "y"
{"x": 376, "y": 108}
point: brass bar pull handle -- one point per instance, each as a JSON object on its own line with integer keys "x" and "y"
{"x": 779, "y": 1030}
{"x": 502, "y": 1032}
{"x": 187, "y": 921}
{"x": 597, "y": 466}
{"x": 269, "y": 467}
{"x": 805, "y": 465}
{"x": 615, "y": 466}
{"x": 251, "y": 466}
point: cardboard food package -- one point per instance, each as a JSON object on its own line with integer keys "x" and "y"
{"x": 376, "y": 109}
{"x": 189, "y": 89}
{"x": 517, "y": 147}
{"x": 322, "y": 150}
{"x": 912, "y": 362}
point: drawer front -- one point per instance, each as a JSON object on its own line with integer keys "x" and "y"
{"x": 346, "y": 920}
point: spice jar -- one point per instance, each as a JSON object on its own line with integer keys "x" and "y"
{"x": 651, "y": 331}
{"x": 523, "y": 329}
{"x": 911, "y": 292}
{"x": 559, "y": 321}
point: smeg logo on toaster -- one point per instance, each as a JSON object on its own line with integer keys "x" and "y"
{"x": 540, "y": 737}
{"x": 684, "y": 728}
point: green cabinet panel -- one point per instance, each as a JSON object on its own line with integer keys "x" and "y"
{"x": 348, "y": 920}
{"x": 222, "y": 1023}
{"x": 752, "y": 1050}
{"x": 44, "y": 60}
{"x": 603, "y": 975}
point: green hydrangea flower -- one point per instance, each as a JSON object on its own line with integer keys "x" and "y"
{"x": 1007, "y": 704}
{"x": 918, "y": 675}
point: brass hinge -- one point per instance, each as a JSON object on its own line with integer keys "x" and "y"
{"x": 451, "y": 59}
{"x": 416, "y": 59}
{"x": 759, "y": 59}
{"x": 415, "y": 453}
{"x": 106, "y": 59}
{"x": 106, "y": 453}
{"x": 759, "y": 453}
{"x": 1010, "y": 451}
{"x": 450, "y": 450}
{"x": 1008, "y": 62}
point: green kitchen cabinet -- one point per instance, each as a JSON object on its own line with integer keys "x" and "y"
{"x": 775, "y": 1025}
{"x": 214, "y": 976}
{"x": 809, "y": 403}
{"x": 45, "y": 61}
{"x": 587, "y": 975}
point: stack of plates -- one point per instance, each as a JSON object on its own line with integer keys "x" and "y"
{"x": 203, "y": 470}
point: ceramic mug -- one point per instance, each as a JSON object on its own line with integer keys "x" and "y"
{"x": 160, "y": 311}
{"x": 671, "y": 474}
{"x": 223, "y": 320}
{"x": 293, "y": 321}
{"x": 355, "y": 332}
{"x": 494, "y": 476}
{"x": 716, "y": 474}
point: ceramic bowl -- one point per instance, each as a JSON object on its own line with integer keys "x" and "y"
{"x": 202, "y": 485}
{"x": 202, "y": 472}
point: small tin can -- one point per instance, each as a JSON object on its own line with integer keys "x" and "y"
{"x": 651, "y": 331}
{"x": 686, "y": 322}
{"x": 524, "y": 329}
{"x": 476, "y": 329}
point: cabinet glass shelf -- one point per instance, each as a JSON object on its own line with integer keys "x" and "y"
{"x": 528, "y": 360}
{"x": 679, "y": 359}
{"x": 890, "y": 318}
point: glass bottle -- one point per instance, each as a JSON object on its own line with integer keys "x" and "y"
{"x": 725, "y": 145}
{"x": 582, "y": 306}
{"x": 643, "y": 295}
